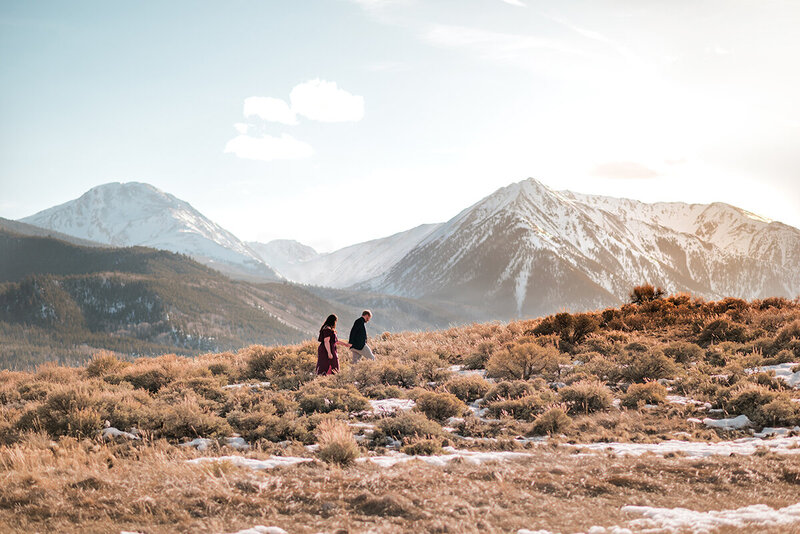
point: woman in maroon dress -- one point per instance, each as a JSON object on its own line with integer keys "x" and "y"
{"x": 327, "y": 359}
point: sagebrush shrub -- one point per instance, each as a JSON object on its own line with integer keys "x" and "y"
{"x": 259, "y": 359}
{"x": 290, "y": 370}
{"x": 323, "y": 397}
{"x": 521, "y": 361}
{"x": 650, "y": 365}
{"x": 153, "y": 373}
{"x": 423, "y": 447}
{"x": 586, "y": 396}
{"x": 336, "y": 442}
{"x": 720, "y": 330}
{"x": 104, "y": 363}
{"x": 683, "y": 352}
{"x": 506, "y": 389}
{"x": 408, "y": 424}
{"x": 439, "y": 406}
{"x": 647, "y": 393}
{"x": 468, "y": 388}
{"x": 524, "y": 408}
{"x": 553, "y": 421}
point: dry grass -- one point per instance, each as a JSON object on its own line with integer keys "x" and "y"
{"x": 74, "y": 486}
{"x": 56, "y": 475}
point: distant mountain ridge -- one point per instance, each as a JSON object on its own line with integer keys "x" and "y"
{"x": 524, "y": 250}
{"x": 138, "y": 214}
{"x": 344, "y": 267}
{"x": 529, "y": 250}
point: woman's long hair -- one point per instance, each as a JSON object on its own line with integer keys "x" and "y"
{"x": 330, "y": 322}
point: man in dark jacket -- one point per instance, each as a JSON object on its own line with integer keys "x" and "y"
{"x": 358, "y": 338}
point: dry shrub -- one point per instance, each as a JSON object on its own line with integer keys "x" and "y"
{"x": 439, "y": 406}
{"x": 154, "y": 373}
{"x": 646, "y": 293}
{"x": 553, "y": 421}
{"x": 506, "y": 389}
{"x": 586, "y": 396}
{"x": 747, "y": 398}
{"x": 649, "y": 365}
{"x": 290, "y": 370}
{"x": 383, "y": 372}
{"x": 54, "y": 373}
{"x": 524, "y": 408}
{"x": 68, "y": 410}
{"x": 187, "y": 418}
{"x": 104, "y": 363}
{"x": 408, "y": 425}
{"x": 336, "y": 442}
{"x": 468, "y": 388}
{"x": 259, "y": 359}
{"x": 647, "y": 393}
{"x": 524, "y": 360}
{"x": 323, "y": 396}
{"x": 721, "y": 330}
{"x": 683, "y": 352}
{"x": 429, "y": 367}
{"x": 481, "y": 355}
{"x": 268, "y": 424}
{"x": 423, "y": 447}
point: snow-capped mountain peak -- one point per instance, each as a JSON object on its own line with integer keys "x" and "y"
{"x": 134, "y": 213}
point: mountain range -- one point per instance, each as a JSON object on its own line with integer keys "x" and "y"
{"x": 524, "y": 250}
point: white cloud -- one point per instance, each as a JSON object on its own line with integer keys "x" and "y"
{"x": 241, "y": 127}
{"x": 268, "y": 148}
{"x": 270, "y": 109}
{"x": 323, "y": 101}
{"x": 515, "y": 3}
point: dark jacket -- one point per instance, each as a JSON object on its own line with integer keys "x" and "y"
{"x": 358, "y": 334}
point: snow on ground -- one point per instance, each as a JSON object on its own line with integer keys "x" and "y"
{"x": 473, "y": 457}
{"x": 751, "y": 517}
{"x": 782, "y": 371}
{"x": 459, "y": 370}
{"x": 738, "y": 422}
{"x": 694, "y": 449}
{"x": 252, "y": 463}
{"x": 775, "y": 431}
{"x": 260, "y": 529}
{"x": 202, "y": 444}
{"x": 387, "y": 406}
{"x": 111, "y": 432}
{"x": 686, "y": 401}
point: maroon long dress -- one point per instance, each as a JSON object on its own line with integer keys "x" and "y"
{"x": 326, "y": 366}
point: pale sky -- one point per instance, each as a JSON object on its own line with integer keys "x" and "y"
{"x": 337, "y": 121}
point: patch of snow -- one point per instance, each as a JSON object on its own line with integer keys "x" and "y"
{"x": 111, "y": 432}
{"x": 775, "y": 431}
{"x": 733, "y": 423}
{"x": 387, "y": 406}
{"x": 201, "y": 444}
{"x": 473, "y": 457}
{"x": 751, "y": 517}
{"x": 701, "y": 449}
{"x": 459, "y": 370}
{"x": 686, "y": 401}
{"x": 252, "y": 463}
{"x": 782, "y": 371}
{"x": 237, "y": 442}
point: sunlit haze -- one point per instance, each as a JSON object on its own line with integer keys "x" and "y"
{"x": 335, "y": 122}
